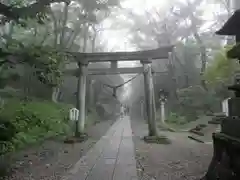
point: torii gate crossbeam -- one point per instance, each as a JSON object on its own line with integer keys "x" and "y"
{"x": 159, "y": 53}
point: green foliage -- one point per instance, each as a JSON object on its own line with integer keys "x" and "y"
{"x": 24, "y": 122}
{"x": 46, "y": 63}
{"x": 7, "y": 74}
{"x": 174, "y": 118}
{"x": 220, "y": 74}
{"x": 27, "y": 48}
{"x": 221, "y": 70}
{"x": 195, "y": 101}
{"x": 34, "y": 47}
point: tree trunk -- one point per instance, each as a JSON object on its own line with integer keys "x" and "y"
{"x": 173, "y": 82}
{"x": 202, "y": 48}
{"x": 85, "y": 38}
{"x": 55, "y": 94}
{"x": 94, "y": 42}
{"x": 203, "y": 52}
{"x": 9, "y": 29}
{"x": 70, "y": 41}
{"x": 203, "y": 68}
{"x": 65, "y": 18}
{"x": 55, "y": 29}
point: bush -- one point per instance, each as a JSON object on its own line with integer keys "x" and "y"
{"x": 194, "y": 102}
{"x": 24, "y": 122}
{"x": 173, "y": 118}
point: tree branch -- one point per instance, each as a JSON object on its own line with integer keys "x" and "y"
{"x": 14, "y": 13}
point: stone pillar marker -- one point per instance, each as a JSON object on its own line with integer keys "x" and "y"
{"x": 162, "y": 100}
{"x": 163, "y": 117}
{"x": 163, "y": 114}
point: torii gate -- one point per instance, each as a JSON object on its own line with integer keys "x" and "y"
{"x": 145, "y": 57}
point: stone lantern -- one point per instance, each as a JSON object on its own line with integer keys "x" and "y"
{"x": 162, "y": 95}
{"x": 226, "y": 143}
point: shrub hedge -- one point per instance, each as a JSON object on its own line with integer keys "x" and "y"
{"x": 24, "y": 122}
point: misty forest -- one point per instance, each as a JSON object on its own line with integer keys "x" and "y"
{"x": 164, "y": 119}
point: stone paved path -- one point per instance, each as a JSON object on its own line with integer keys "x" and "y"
{"x": 112, "y": 158}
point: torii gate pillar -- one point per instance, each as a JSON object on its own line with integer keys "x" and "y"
{"x": 149, "y": 101}
{"x": 81, "y": 99}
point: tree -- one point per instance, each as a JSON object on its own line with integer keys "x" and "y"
{"x": 59, "y": 28}
{"x": 226, "y": 10}
{"x": 219, "y": 74}
{"x": 12, "y": 11}
{"x": 181, "y": 22}
{"x": 184, "y": 25}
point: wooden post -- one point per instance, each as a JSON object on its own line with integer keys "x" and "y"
{"x": 81, "y": 104}
{"x": 149, "y": 99}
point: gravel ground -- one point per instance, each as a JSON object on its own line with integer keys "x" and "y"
{"x": 183, "y": 159}
{"x": 50, "y": 160}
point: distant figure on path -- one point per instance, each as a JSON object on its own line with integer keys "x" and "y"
{"x": 122, "y": 111}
